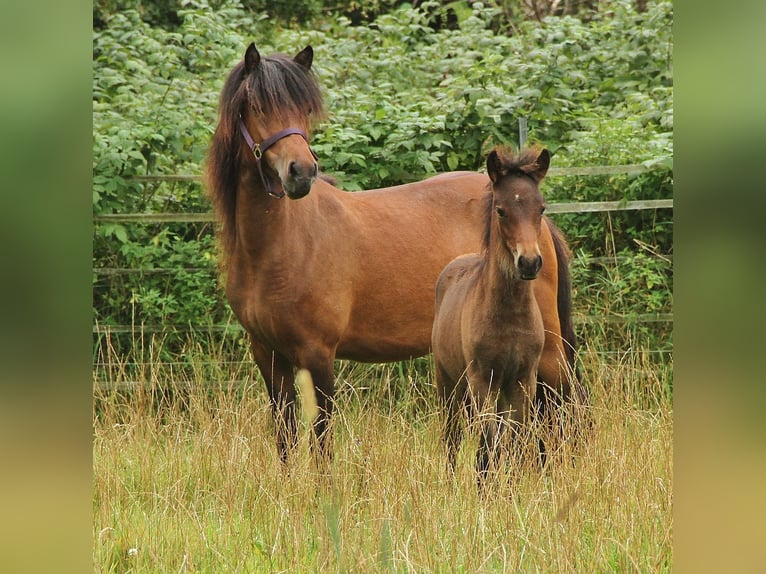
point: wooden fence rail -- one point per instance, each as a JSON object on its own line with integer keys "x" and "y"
{"x": 573, "y": 207}
{"x": 589, "y": 170}
{"x": 213, "y": 268}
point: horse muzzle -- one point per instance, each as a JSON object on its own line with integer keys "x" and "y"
{"x": 300, "y": 178}
{"x": 298, "y": 188}
{"x": 529, "y": 267}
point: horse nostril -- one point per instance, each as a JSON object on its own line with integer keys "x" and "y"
{"x": 529, "y": 266}
{"x": 307, "y": 172}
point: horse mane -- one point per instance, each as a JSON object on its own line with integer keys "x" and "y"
{"x": 514, "y": 165}
{"x": 279, "y": 87}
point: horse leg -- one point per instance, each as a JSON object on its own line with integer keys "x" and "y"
{"x": 321, "y": 365}
{"x": 484, "y": 399}
{"x": 451, "y": 400}
{"x": 278, "y": 373}
{"x": 561, "y": 397}
{"x": 547, "y": 412}
{"x": 488, "y": 453}
{"x": 516, "y": 401}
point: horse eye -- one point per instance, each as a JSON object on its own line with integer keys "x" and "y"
{"x": 500, "y": 211}
{"x": 542, "y": 210}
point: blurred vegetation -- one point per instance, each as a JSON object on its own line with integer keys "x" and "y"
{"x": 411, "y": 90}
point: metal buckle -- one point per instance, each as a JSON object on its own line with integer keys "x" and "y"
{"x": 257, "y": 151}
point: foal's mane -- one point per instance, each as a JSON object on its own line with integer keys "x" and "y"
{"x": 278, "y": 87}
{"x": 513, "y": 165}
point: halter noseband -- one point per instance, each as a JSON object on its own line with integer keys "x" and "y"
{"x": 259, "y": 149}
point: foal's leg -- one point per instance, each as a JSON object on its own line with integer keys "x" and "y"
{"x": 451, "y": 398}
{"x": 517, "y": 401}
{"x": 484, "y": 398}
{"x": 488, "y": 454}
{"x": 278, "y": 373}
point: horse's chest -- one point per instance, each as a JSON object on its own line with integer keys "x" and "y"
{"x": 506, "y": 347}
{"x": 506, "y": 354}
{"x": 263, "y": 296}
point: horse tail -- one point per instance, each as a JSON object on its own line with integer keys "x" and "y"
{"x": 564, "y": 297}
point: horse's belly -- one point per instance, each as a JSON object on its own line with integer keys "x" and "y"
{"x": 377, "y": 343}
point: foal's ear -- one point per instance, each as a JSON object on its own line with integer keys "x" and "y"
{"x": 494, "y": 166}
{"x": 305, "y": 57}
{"x": 543, "y": 162}
{"x": 252, "y": 58}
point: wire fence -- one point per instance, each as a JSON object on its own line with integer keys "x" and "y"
{"x": 235, "y": 330}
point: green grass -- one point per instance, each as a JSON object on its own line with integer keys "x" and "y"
{"x": 190, "y": 481}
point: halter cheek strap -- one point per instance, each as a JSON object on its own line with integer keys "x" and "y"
{"x": 259, "y": 149}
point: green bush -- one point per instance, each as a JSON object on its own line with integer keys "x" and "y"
{"x": 155, "y": 96}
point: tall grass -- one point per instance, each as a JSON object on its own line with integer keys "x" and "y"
{"x": 187, "y": 479}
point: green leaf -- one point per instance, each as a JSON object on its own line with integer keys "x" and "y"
{"x": 452, "y": 161}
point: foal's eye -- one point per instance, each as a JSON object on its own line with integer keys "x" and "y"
{"x": 500, "y": 211}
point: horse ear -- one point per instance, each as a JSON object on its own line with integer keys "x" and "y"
{"x": 252, "y": 58}
{"x": 494, "y": 166}
{"x": 543, "y": 162}
{"x": 305, "y": 57}
{"x": 539, "y": 168}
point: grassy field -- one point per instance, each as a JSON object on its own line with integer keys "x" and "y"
{"x": 189, "y": 480}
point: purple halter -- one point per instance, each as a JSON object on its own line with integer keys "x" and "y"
{"x": 260, "y": 148}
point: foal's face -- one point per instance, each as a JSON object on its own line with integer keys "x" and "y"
{"x": 518, "y": 210}
{"x": 519, "y": 207}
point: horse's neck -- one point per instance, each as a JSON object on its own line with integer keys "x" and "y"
{"x": 503, "y": 282}
{"x": 258, "y": 214}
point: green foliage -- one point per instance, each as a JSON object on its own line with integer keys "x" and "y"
{"x": 163, "y": 286}
{"x": 155, "y": 96}
{"x": 418, "y": 101}
{"x": 154, "y": 109}
{"x": 295, "y": 12}
{"x": 406, "y": 99}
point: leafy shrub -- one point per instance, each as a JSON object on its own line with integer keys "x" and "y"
{"x": 155, "y": 98}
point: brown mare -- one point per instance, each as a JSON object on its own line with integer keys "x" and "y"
{"x": 314, "y": 273}
{"x": 488, "y": 333}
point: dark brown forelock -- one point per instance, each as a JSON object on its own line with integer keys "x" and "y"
{"x": 280, "y": 87}
{"x": 521, "y": 163}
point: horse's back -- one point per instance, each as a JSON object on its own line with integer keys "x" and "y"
{"x": 425, "y": 222}
{"x": 460, "y": 186}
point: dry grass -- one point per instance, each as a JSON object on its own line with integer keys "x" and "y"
{"x": 189, "y": 481}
